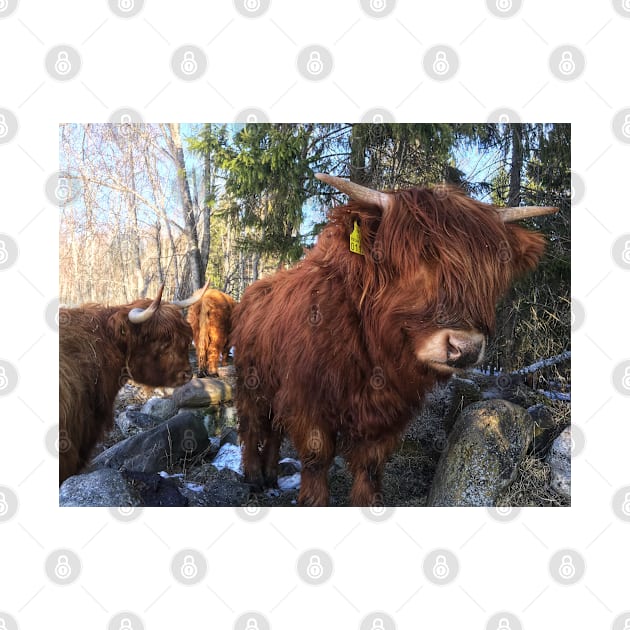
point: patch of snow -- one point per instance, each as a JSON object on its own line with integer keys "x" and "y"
{"x": 556, "y": 395}
{"x": 291, "y": 482}
{"x": 272, "y": 492}
{"x": 229, "y": 456}
{"x": 165, "y": 475}
{"x": 290, "y": 460}
{"x": 194, "y": 487}
{"x": 215, "y": 441}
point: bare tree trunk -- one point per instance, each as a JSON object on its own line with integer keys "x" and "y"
{"x": 206, "y": 210}
{"x": 357, "y": 154}
{"x": 514, "y": 195}
{"x": 194, "y": 255}
{"x": 134, "y": 236}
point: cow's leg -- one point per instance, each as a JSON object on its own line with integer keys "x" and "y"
{"x": 212, "y": 353}
{"x": 366, "y": 460}
{"x": 202, "y": 354}
{"x": 252, "y": 434}
{"x": 316, "y": 449}
{"x": 270, "y": 456}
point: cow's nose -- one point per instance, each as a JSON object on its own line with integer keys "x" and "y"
{"x": 464, "y": 350}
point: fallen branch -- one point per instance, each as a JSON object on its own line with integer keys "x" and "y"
{"x": 534, "y": 367}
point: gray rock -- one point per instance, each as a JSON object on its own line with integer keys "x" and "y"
{"x": 183, "y": 436}
{"x": 201, "y": 392}
{"x": 101, "y": 488}
{"x": 131, "y": 422}
{"x": 559, "y": 460}
{"x": 162, "y": 408}
{"x": 154, "y": 490}
{"x": 229, "y": 435}
{"x": 487, "y": 444}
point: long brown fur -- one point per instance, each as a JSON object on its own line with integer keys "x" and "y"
{"x": 210, "y": 320}
{"x": 325, "y": 351}
{"x": 99, "y": 350}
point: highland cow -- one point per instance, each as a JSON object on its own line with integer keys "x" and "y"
{"x": 210, "y": 321}
{"x": 102, "y": 347}
{"x": 338, "y": 352}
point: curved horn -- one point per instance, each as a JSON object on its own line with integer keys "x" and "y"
{"x": 139, "y": 315}
{"x": 195, "y": 297}
{"x": 523, "y": 212}
{"x": 356, "y": 191}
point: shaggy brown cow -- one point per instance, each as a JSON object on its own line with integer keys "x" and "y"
{"x": 100, "y": 348}
{"x": 342, "y": 348}
{"x": 210, "y": 320}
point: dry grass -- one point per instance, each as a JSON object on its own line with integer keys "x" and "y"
{"x": 531, "y": 487}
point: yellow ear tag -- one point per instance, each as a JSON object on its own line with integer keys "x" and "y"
{"x": 355, "y": 240}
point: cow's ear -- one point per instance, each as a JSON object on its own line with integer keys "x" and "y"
{"x": 527, "y": 247}
{"x": 118, "y": 325}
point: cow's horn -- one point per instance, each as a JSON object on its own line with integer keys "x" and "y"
{"x": 139, "y": 315}
{"x": 523, "y": 212}
{"x": 356, "y": 191}
{"x": 195, "y": 297}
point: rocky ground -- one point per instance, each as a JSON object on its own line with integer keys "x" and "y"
{"x": 466, "y": 447}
